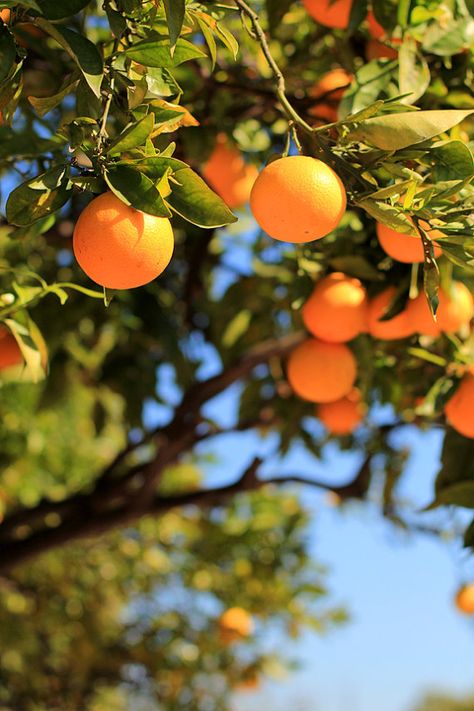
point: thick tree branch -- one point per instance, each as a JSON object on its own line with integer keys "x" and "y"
{"x": 124, "y": 493}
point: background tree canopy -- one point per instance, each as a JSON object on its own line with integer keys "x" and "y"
{"x": 117, "y": 552}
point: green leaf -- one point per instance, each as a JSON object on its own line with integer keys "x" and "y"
{"x": 135, "y": 189}
{"x": 430, "y": 275}
{"x": 54, "y": 10}
{"x": 358, "y": 13}
{"x": 445, "y": 40}
{"x": 33, "y": 349}
{"x": 413, "y": 71}
{"x": 133, "y": 136}
{"x": 228, "y": 39}
{"x": 209, "y": 37}
{"x": 43, "y": 105}
{"x": 452, "y": 161}
{"x": 174, "y": 10}
{"x": 7, "y": 51}
{"x": 38, "y": 197}
{"x": 469, "y": 536}
{"x": 236, "y": 328}
{"x": 461, "y": 494}
{"x": 29, "y": 4}
{"x": 388, "y": 215}
{"x": 457, "y": 461}
{"x": 191, "y": 197}
{"x": 81, "y": 50}
{"x": 394, "y": 132}
{"x": 156, "y": 53}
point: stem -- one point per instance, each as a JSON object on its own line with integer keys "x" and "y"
{"x": 105, "y": 115}
{"x": 277, "y": 73}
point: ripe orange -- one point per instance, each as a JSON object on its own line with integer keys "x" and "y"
{"x": 10, "y": 353}
{"x": 378, "y": 50}
{"x": 331, "y": 86}
{"x": 459, "y": 409}
{"x": 336, "y": 311}
{"x": 342, "y": 416}
{"x": 228, "y": 174}
{"x": 464, "y": 599}
{"x": 456, "y": 309}
{"x": 403, "y": 247}
{"x": 397, "y": 327}
{"x": 375, "y": 28}
{"x": 331, "y": 13}
{"x": 321, "y": 372}
{"x": 420, "y": 317}
{"x": 234, "y": 624}
{"x": 119, "y": 247}
{"x": 5, "y": 15}
{"x": 298, "y": 199}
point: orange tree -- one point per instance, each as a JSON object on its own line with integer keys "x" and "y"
{"x": 170, "y": 108}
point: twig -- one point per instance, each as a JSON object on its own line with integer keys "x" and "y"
{"x": 277, "y": 73}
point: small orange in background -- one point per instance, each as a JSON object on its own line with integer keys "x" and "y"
{"x": 455, "y": 311}
{"x": 456, "y": 308}
{"x": 336, "y": 311}
{"x": 464, "y": 599}
{"x": 5, "y": 15}
{"x": 393, "y": 329}
{"x": 331, "y": 88}
{"x": 321, "y": 372}
{"x": 119, "y": 247}
{"x": 403, "y": 247}
{"x": 234, "y": 624}
{"x": 459, "y": 409}
{"x": 331, "y": 13}
{"x": 10, "y": 353}
{"x": 420, "y": 317}
{"x": 298, "y": 199}
{"x": 250, "y": 683}
{"x": 343, "y": 416}
{"x": 228, "y": 174}
{"x": 25, "y": 31}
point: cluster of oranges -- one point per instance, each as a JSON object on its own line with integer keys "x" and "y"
{"x": 323, "y": 369}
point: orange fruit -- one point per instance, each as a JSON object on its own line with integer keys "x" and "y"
{"x": 298, "y": 199}
{"x": 375, "y": 28}
{"x": 342, "y": 416}
{"x": 378, "y": 50}
{"x": 331, "y": 86}
{"x": 321, "y": 372}
{"x": 251, "y": 683}
{"x": 403, "y": 247}
{"x": 119, "y": 247}
{"x": 420, "y": 317}
{"x": 336, "y": 311}
{"x": 10, "y": 353}
{"x": 397, "y": 327}
{"x": 235, "y": 623}
{"x": 456, "y": 308}
{"x": 464, "y": 599}
{"x": 5, "y": 15}
{"x": 331, "y": 13}
{"x": 459, "y": 409}
{"x": 228, "y": 174}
